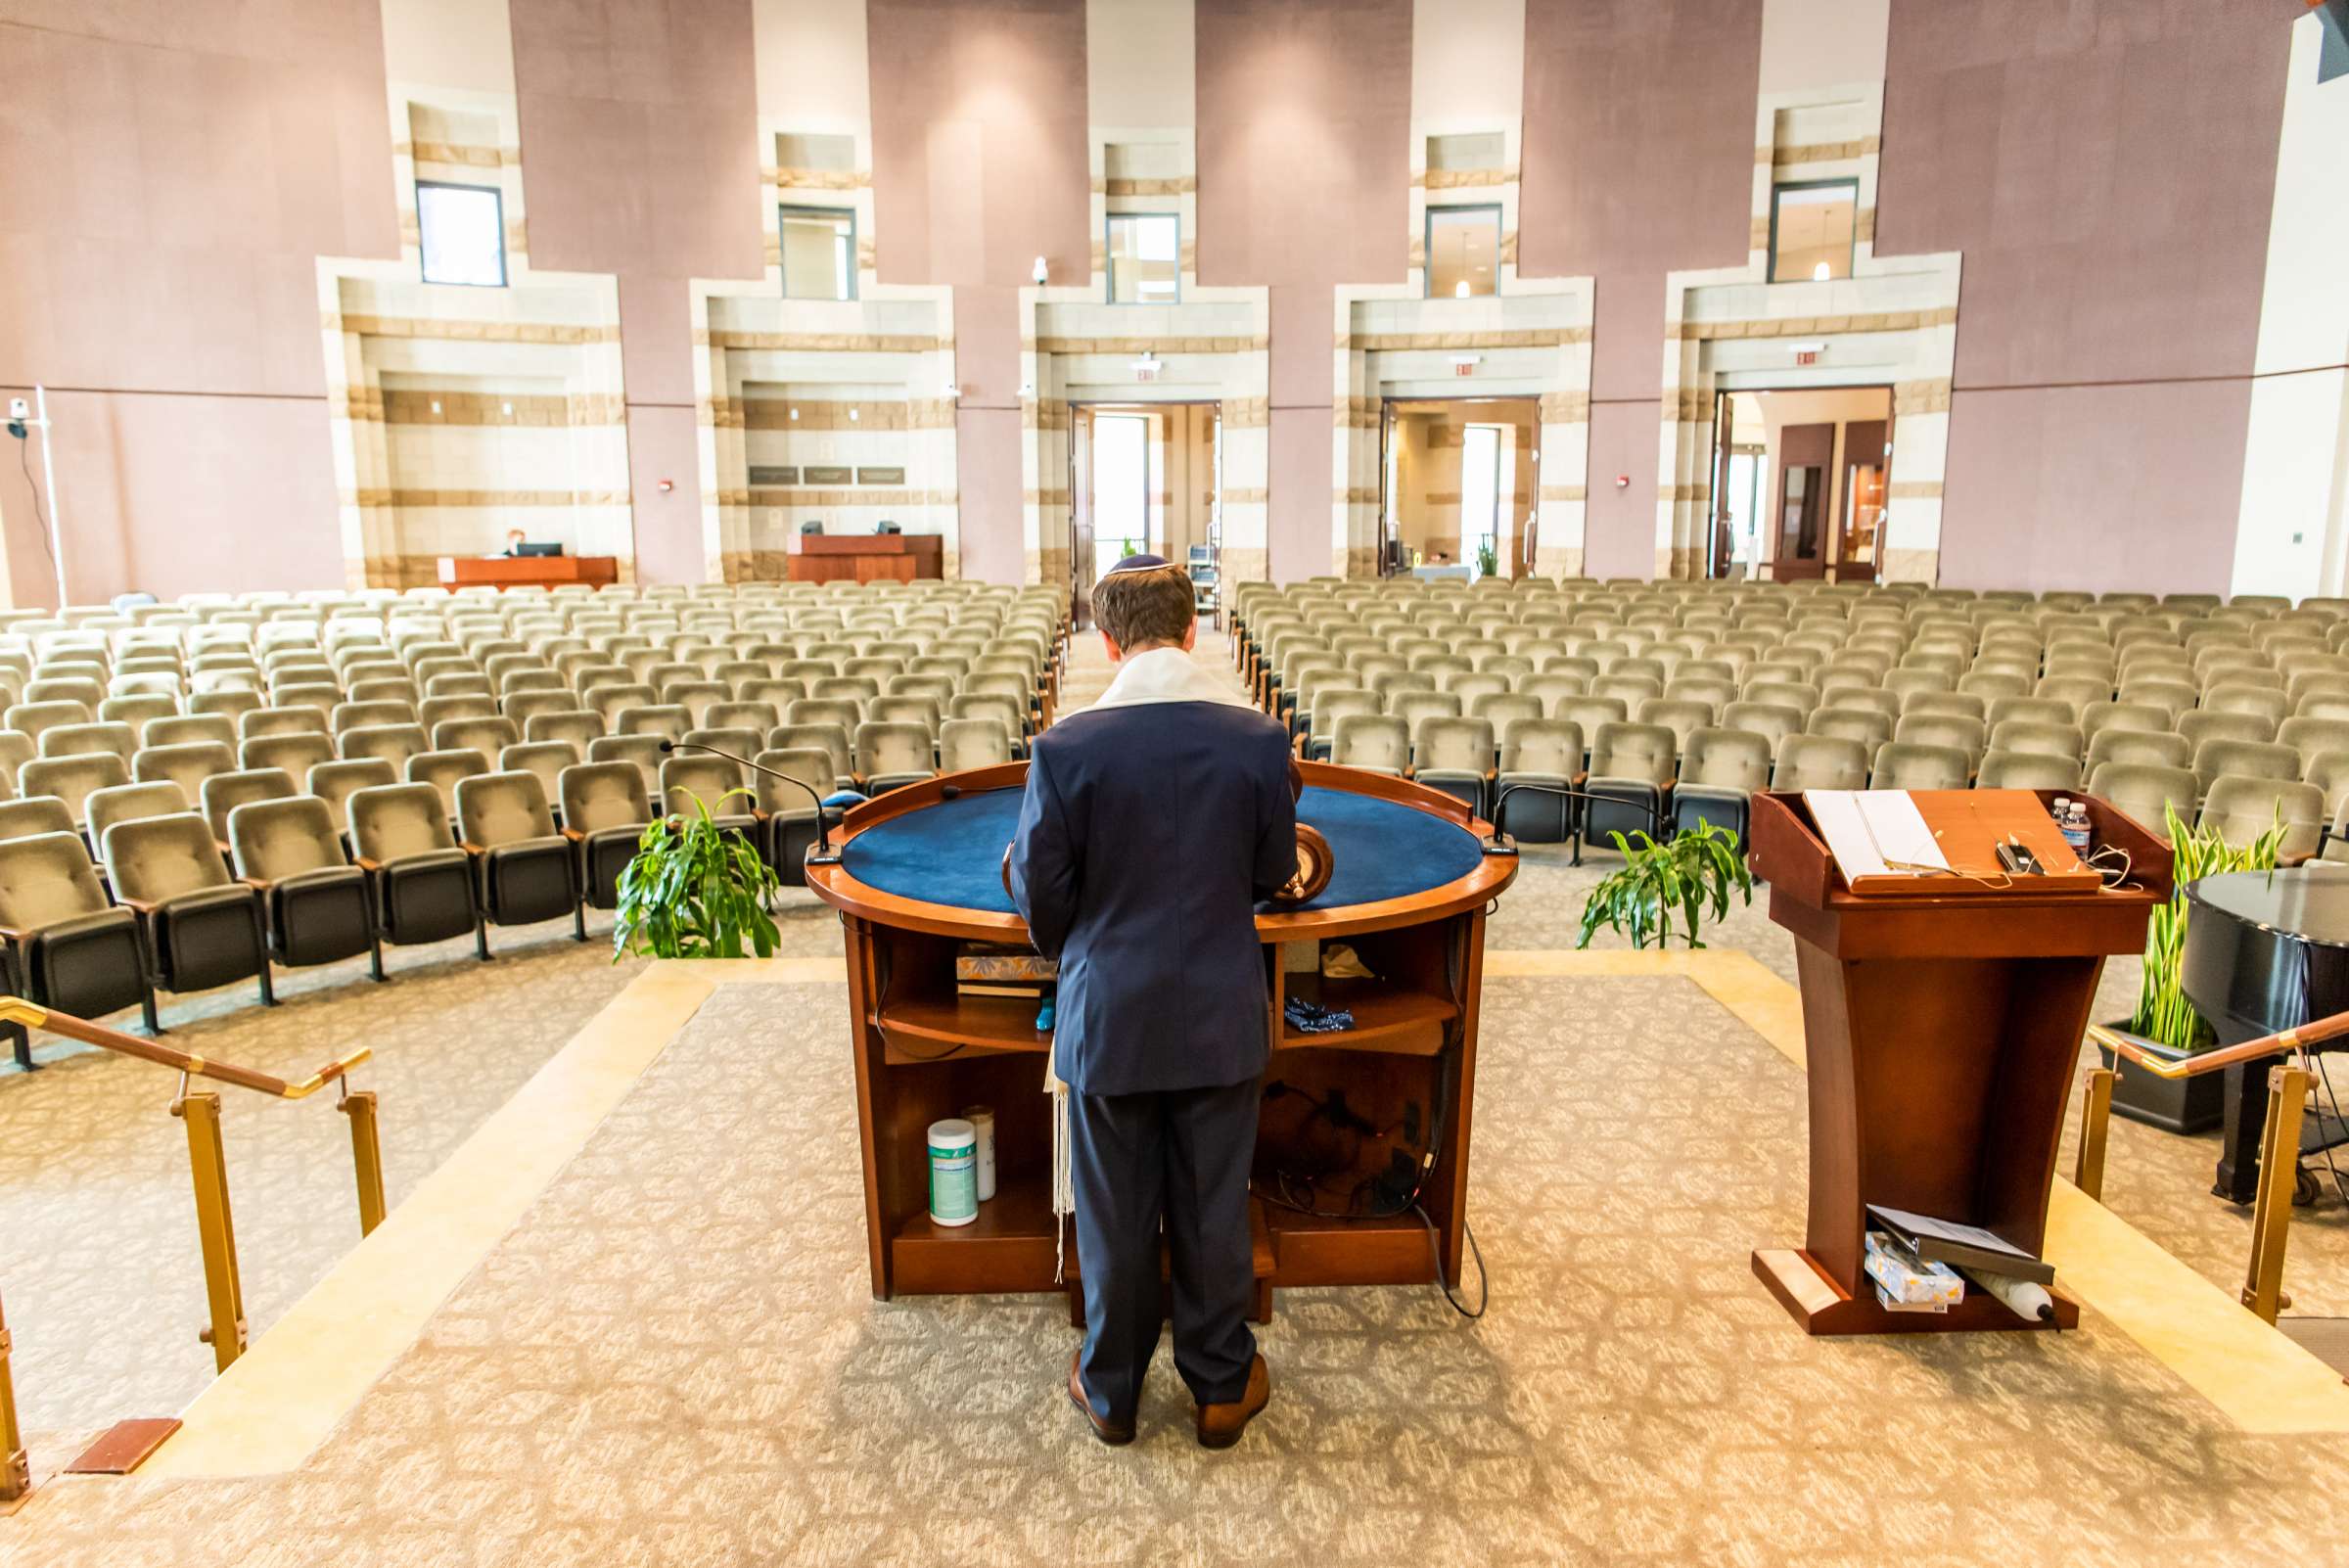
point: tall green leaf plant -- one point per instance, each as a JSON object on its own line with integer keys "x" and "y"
{"x": 695, "y": 891}
{"x": 2163, "y": 1014}
{"x": 1692, "y": 872}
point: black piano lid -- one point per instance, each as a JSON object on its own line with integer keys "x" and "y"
{"x": 2307, "y": 903}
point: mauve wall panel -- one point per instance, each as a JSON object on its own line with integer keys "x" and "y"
{"x": 1304, "y": 112}
{"x": 2107, "y": 169}
{"x": 1619, "y": 523}
{"x": 979, "y": 167}
{"x": 1639, "y": 159}
{"x": 2102, "y": 488}
{"x": 640, "y": 136}
{"x": 172, "y": 173}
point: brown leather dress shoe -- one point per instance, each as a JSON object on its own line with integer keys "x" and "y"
{"x": 1220, "y": 1425}
{"x": 1115, "y": 1434}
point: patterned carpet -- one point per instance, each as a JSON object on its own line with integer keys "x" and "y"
{"x": 673, "y": 1360}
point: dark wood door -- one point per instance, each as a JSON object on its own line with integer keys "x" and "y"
{"x": 1806, "y": 457}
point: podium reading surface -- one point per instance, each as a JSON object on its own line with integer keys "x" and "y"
{"x": 920, "y": 874}
{"x": 1942, "y": 1026}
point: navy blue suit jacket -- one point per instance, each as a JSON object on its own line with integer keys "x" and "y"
{"x": 1147, "y": 834}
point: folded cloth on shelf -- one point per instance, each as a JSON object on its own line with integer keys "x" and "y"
{"x": 1309, "y": 1018}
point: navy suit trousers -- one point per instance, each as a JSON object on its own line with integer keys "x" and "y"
{"x": 1179, "y": 1157}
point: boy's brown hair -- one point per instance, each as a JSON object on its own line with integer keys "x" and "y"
{"x": 1140, "y": 608}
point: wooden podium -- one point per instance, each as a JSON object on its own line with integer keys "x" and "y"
{"x": 527, "y": 570}
{"x": 865, "y": 557}
{"x": 1942, "y": 1025}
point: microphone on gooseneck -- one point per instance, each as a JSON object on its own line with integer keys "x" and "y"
{"x": 823, "y": 853}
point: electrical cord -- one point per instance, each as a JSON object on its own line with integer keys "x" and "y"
{"x": 39, "y": 514}
{"x": 1435, "y": 1246}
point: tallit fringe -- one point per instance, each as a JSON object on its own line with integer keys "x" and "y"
{"x": 1064, "y": 1185}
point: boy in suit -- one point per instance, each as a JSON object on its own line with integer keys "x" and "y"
{"x": 1153, "y": 822}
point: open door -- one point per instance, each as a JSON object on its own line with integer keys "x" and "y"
{"x": 1080, "y": 515}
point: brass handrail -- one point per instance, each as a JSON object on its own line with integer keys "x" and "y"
{"x": 2279, "y": 1143}
{"x": 17, "y": 1010}
{"x": 207, "y": 1164}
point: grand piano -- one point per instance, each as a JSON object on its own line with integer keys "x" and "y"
{"x": 2266, "y": 951}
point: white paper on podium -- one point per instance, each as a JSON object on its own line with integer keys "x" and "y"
{"x": 1875, "y": 833}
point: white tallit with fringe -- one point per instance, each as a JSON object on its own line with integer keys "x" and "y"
{"x": 1153, "y": 676}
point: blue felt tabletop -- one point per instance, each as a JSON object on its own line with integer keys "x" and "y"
{"x": 953, "y": 852}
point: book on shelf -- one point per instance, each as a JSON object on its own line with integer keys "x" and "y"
{"x": 1961, "y": 1245}
{"x": 1030, "y": 991}
{"x": 1003, "y": 962}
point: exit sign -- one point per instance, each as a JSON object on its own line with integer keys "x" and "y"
{"x": 1145, "y": 371}
{"x": 1806, "y": 357}
{"x": 1463, "y": 367}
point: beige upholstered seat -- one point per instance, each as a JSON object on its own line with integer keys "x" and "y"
{"x": 2244, "y": 805}
{"x": 525, "y": 870}
{"x": 302, "y": 719}
{"x": 203, "y": 928}
{"x": 105, "y": 808}
{"x": 2143, "y": 789}
{"x": 72, "y": 779}
{"x": 605, "y": 807}
{"x": 1819, "y": 762}
{"x": 223, "y": 793}
{"x": 829, "y": 739}
{"x": 297, "y": 754}
{"x": 643, "y": 752}
{"x": 579, "y": 727}
{"x": 1917, "y": 765}
{"x": 889, "y": 754}
{"x": 444, "y": 770}
{"x": 2027, "y": 770}
{"x": 423, "y": 883}
{"x": 334, "y": 783}
{"x": 71, "y": 950}
{"x": 1380, "y": 742}
{"x": 315, "y": 902}
{"x": 35, "y": 813}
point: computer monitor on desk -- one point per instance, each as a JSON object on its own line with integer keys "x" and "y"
{"x": 531, "y": 547}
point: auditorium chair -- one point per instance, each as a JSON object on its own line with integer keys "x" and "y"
{"x": 2027, "y": 770}
{"x": 1819, "y": 762}
{"x": 577, "y": 726}
{"x": 2244, "y": 805}
{"x": 314, "y": 903}
{"x": 1867, "y": 725}
{"x": 1379, "y": 743}
{"x": 605, "y": 809}
{"x": 223, "y": 793}
{"x": 2032, "y": 735}
{"x": 1457, "y": 756}
{"x": 547, "y": 759}
{"x": 35, "y": 813}
{"x": 1720, "y": 769}
{"x": 64, "y": 944}
{"x": 33, "y": 717}
{"x": 889, "y": 754}
{"x": 137, "y": 711}
{"x": 488, "y": 736}
{"x": 2255, "y": 759}
{"x": 1917, "y": 765}
{"x": 2143, "y": 789}
{"x": 1630, "y": 772}
{"x": 521, "y": 707}
{"x": 72, "y": 779}
{"x": 642, "y": 752}
{"x": 444, "y": 770}
{"x": 424, "y": 883}
{"x": 830, "y": 739}
{"x": 1545, "y": 752}
{"x": 523, "y": 868}
{"x": 777, "y": 694}
{"x": 964, "y": 744}
{"x": 297, "y": 754}
{"x": 2152, "y": 748}
{"x": 192, "y": 729}
{"x": 1953, "y": 704}
{"x": 281, "y": 721}
{"x": 231, "y": 703}
{"x": 202, "y": 927}
{"x": 334, "y": 783}
{"x": 755, "y": 718}
{"x": 124, "y": 801}
{"x": 741, "y": 742}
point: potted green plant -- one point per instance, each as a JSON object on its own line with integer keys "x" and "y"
{"x": 1487, "y": 563}
{"x": 2165, "y": 1020}
{"x": 1692, "y": 872}
{"x": 696, "y": 891}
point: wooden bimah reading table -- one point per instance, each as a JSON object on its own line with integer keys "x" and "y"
{"x": 1941, "y": 1018}
{"x": 920, "y": 875}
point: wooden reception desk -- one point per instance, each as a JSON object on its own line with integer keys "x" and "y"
{"x": 865, "y": 557}
{"x": 527, "y": 572}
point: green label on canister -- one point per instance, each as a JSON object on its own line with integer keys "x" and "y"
{"x": 953, "y": 1173}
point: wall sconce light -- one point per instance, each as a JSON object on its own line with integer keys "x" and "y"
{"x": 1818, "y": 273}
{"x": 1041, "y": 272}
{"x": 1459, "y": 290}
{"x": 795, "y": 413}
{"x": 853, "y": 416}
{"x": 436, "y": 405}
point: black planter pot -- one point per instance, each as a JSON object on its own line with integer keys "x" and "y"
{"x": 2173, "y": 1104}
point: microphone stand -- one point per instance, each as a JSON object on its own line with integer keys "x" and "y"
{"x": 822, "y": 854}
{"x": 1501, "y": 843}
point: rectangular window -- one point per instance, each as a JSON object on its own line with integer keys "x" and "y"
{"x": 462, "y": 232}
{"x": 1811, "y": 230}
{"x": 1464, "y": 252}
{"x": 1145, "y": 258}
{"x": 819, "y": 253}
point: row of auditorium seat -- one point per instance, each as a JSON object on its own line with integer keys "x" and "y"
{"x": 254, "y": 822}
{"x": 1672, "y": 702}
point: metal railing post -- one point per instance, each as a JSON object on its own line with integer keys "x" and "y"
{"x": 366, "y": 1156}
{"x": 15, "y": 1470}
{"x": 2278, "y": 1171}
{"x": 215, "y": 1226}
{"x": 2096, "y": 1122}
